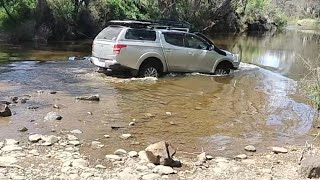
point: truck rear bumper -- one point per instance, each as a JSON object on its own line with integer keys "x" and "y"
{"x": 103, "y": 62}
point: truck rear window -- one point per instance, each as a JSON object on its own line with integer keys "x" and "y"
{"x": 109, "y": 33}
{"x": 141, "y": 34}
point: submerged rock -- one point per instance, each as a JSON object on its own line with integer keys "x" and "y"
{"x": 161, "y": 153}
{"x": 250, "y": 148}
{"x": 52, "y": 116}
{"x": 5, "y": 110}
{"x": 23, "y": 129}
{"x": 89, "y": 98}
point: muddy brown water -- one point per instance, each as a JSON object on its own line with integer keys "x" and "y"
{"x": 259, "y": 104}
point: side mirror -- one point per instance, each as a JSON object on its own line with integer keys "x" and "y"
{"x": 210, "y": 48}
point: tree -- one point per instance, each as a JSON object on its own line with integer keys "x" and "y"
{"x": 3, "y": 4}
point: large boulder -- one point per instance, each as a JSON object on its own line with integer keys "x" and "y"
{"x": 161, "y": 153}
{"x": 310, "y": 167}
{"x": 4, "y": 110}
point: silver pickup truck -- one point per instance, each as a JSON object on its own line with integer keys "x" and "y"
{"x": 150, "y": 51}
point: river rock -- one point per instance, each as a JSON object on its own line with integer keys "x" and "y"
{"x": 143, "y": 156}
{"x": 208, "y": 157}
{"x": 152, "y": 176}
{"x": 76, "y": 131}
{"x": 23, "y": 100}
{"x": 74, "y": 177}
{"x": 52, "y": 116}
{"x": 126, "y": 136}
{"x": 250, "y": 148}
{"x": 14, "y": 99}
{"x": 133, "y": 154}
{"x": 241, "y": 156}
{"x": 56, "y": 106}
{"x": 23, "y": 129}
{"x": 79, "y": 163}
{"x": 89, "y": 98}
{"x": 310, "y": 167}
{"x": 35, "y": 138}
{"x": 113, "y": 157}
{"x": 9, "y": 148}
{"x": 161, "y": 153}
{"x": 5, "y": 110}
{"x": 120, "y": 152}
{"x": 99, "y": 166}
{"x": 96, "y": 145}
{"x": 278, "y": 150}
{"x": 11, "y": 142}
{"x": 5, "y": 102}
{"x": 72, "y": 137}
{"x": 49, "y": 140}
{"x": 6, "y": 161}
{"x": 34, "y": 152}
{"x": 127, "y": 176}
{"x": 163, "y": 170}
{"x": 75, "y": 143}
{"x": 202, "y": 158}
{"x": 86, "y": 175}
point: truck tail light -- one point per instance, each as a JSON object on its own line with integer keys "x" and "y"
{"x": 117, "y": 48}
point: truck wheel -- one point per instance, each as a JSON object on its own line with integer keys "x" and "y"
{"x": 223, "y": 69}
{"x": 149, "y": 70}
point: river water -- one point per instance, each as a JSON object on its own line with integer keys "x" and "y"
{"x": 259, "y": 104}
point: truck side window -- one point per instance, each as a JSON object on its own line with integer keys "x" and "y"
{"x": 196, "y": 42}
{"x": 176, "y": 39}
{"x": 109, "y": 33}
{"x": 140, "y": 34}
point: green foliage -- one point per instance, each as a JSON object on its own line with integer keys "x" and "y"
{"x": 75, "y": 18}
{"x": 62, "y": 10}
{"x": 256, "y": 9}
{"x": 20, "y": 10}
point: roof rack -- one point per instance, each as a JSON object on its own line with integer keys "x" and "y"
{"x": 153, "y": 24}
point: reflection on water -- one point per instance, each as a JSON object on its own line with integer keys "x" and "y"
{"x": 283, "y": 52}
{"x": 52, "y": 51}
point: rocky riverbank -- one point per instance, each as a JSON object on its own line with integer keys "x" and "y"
{"x": 60, "y": 155}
